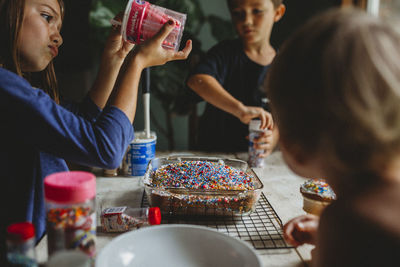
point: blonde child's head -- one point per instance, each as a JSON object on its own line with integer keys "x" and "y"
{"x": 11, "y": 21}
{"x": 335, "y": 93}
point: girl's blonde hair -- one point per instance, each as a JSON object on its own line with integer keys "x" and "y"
{"x": 11, "y": 17}
{"x": 335, "y": 87}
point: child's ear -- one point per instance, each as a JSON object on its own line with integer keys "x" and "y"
{"x": 279, "y": 12}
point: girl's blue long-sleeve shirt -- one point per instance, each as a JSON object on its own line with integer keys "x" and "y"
{"x": 38, "y": 136}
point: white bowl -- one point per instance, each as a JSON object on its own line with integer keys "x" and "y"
{"x": 177, "y": 245}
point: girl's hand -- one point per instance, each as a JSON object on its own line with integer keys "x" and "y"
{"x": 301, "y": 230}
{"x": 267, "y": 141}
{"x": 116, "y": 48}
{"x": 247, "y": 113}
{"x": 151, "y": 52}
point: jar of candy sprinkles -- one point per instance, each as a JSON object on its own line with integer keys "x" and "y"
{"x": 21, "y": 245}
{"x": 255, "y": 132}
{"x": 71, "y": 214}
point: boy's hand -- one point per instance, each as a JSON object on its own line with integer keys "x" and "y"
{"x": 151, "y": 52}
{"x": 247, "y": 113}
{"x": 267, "y": 142}
{"x": 301, "y": 230}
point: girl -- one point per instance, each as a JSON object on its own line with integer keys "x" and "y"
{"x": 38, "y": 133}
{"x": 335, "y": 94}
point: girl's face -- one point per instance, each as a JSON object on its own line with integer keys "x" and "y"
{"x": 253, "y": 19}
{"x": 39, "y": 38}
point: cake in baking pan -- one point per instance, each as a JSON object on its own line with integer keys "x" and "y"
{"x": 202, "y": 186}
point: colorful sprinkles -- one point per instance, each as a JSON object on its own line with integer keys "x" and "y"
{"x": 204, "y": 175}
{"x": 61, "y": 218}
{"x": 76, "y": 224}
{"x": 318, "y": 187}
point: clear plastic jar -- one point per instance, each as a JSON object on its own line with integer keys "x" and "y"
{"x": 255, "y": 132}
{"x": 110, "y": 173}
{"x": 121, "y": 219}
{"x": 71, "y": 214}
{"x": 69, "y": 258}
{"x": 21, "y": 245}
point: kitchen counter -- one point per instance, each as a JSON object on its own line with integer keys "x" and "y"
{"x": 281, "y": 188}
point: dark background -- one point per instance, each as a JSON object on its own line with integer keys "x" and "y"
{"x": 78, "y": 59}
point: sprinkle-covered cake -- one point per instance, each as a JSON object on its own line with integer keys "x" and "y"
{"x": 204, "y": 188}
{"x": 202, "y": 175}
{"x": 317, "y": 194}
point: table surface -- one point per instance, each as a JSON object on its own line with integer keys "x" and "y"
{"x": 281, "y": 187}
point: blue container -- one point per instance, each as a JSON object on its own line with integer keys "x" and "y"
{"x": 139, "y": 153}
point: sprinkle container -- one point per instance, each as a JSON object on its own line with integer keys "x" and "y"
{"x": 140, "y": 151}
{"x": 70, "y": 207}
{"x": 201, "y": 186}
{"x": 21, "y": 245}
{"x": 143, "y": 20}
{"x": 122, "y": 219}
{"x": 255, "y": 132}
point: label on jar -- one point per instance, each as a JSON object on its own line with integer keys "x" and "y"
{"x": 139, "y": 153}
{"x": 113, "y": 211}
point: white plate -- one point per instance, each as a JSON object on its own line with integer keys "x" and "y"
{"x": 177, "y": 245}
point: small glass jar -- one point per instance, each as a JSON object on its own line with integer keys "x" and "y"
{"x": 71, "y": 214}
{"x": 121, "y": 219}
{"x": 255, "y": 132}
{"x": 69, "y": 258}
{"x": 110, "y": 172}
{"x": 21, "y": 245}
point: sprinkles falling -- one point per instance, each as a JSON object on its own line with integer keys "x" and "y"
{"x": 202, "y": 175}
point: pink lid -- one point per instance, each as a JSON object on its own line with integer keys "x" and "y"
{"x": 70, "y": 187}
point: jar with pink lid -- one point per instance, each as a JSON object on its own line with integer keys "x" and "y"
{"x": 70, "y": 209}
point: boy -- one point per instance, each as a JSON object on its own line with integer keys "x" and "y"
{"x": 334, "y": 90}
{"x": 230, "y": 78}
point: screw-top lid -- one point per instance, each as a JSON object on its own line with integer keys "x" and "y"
{"x": 154, "y": 215}
{"x": 20, "y": 231}
{"x": 70, "y": 187}
{"x": 255, "y": 125}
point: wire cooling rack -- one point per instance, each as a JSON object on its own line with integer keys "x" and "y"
{"x": 262, "y": 228}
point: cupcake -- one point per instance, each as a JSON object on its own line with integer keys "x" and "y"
{"x": 317, "y": 194}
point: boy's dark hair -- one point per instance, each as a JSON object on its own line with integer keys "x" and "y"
{"x": 276, "y": 3}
